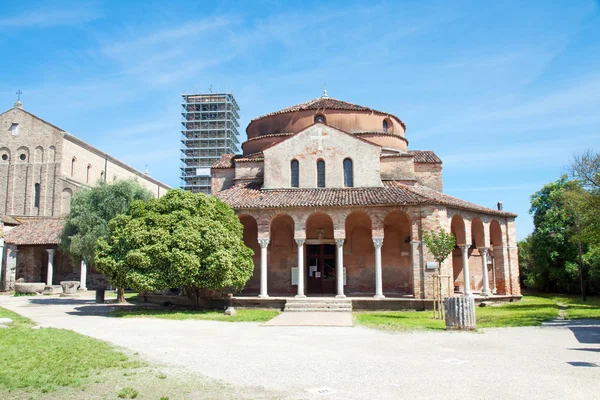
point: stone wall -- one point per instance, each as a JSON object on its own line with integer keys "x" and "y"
{"x": 36, "y": 156}
{"x": 29, "y": 154}
{"x": 399, "y": 167}
{"x": 222, "y": 178}
{"x": 429, "y": 175}
{"x": 336, "y": 146}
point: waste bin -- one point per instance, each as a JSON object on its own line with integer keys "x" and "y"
{"x": 100, "y": 296}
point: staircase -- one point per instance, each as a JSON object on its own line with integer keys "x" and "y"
{"x": 318, "y": 304}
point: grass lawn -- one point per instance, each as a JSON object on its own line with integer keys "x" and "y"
{"x": 530, "y": 311}
{"x": 49, "y": 358}
{"x": 250, "y": 315}
{"x": 49, "y": 364}
{"x": 578, "y": 309}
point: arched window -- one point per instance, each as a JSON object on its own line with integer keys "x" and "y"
{"x": 321, "y": 173}
{"x": 36, "y": 195}
{"x": 319, "y": 119}
{"x": 87, "y": 177}
{"x": 348, "y": 173}
{"x": 385, "y": 126}
{"x": 295, "y": 167}
{"x": 73, "y": 166}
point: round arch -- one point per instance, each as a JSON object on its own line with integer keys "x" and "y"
{"x": 319, "y": 226}
{"x": 477, "y": 233}
{"x": 250, "y": 237}
{"x": 396, "y": 256}
{"x": 457, "y": 227}
{"x": 495, "y": 233}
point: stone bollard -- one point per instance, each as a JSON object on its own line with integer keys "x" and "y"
{"x": 100, "y": 296}
{"x": 69, "y": 288}
{"x": 460, "y": 313}
{"x": 230, "y": 310}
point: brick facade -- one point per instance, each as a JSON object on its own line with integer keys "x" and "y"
{"x": 396, "y": 195}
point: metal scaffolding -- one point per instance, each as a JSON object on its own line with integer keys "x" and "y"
{"x": 209, "y": 130}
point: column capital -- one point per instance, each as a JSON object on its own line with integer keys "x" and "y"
{"x": 300, "y": 242}
{"x": 415, "y": 242}
{"x": 263, "y": 243}
{"x": 51, "y": 251}
{"x": 464, "y": 247}
{"x": 483, "y": 249}
{"x": 339, "y": 242}
{"x": 378, "y": 242}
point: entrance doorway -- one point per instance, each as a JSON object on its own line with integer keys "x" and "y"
{"x": 320, "y": 269}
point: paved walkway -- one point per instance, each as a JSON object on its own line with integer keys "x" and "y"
{"x": 312, "y": 318}
{"x": 553, "y": 362}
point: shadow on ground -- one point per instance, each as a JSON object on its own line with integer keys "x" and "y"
{"x": 586, "y": 331}
{"x": 83, "y": 306}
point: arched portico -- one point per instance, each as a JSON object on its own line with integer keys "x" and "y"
{"x": 396, "y": 254}
{"x": 460, "y": 256}
{"x": 478, "y": 254}
{"x": 282, "y": 255}
{"x": 498, "y": 258}
{"x": 359, "y": 254}
{"x": 250, "y": 236}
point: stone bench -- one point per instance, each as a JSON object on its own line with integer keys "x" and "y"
{"x": 52, "y": 289}
{"x": 29, "y": 287}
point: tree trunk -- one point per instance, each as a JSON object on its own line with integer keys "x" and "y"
{"x": 120, "y": 295}
{"x": 581, "y": 274}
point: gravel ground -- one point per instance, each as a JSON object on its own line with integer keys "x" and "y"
{"x": 554, "y": 361}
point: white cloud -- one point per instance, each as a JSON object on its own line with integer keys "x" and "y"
{"x": 45, "y": 18}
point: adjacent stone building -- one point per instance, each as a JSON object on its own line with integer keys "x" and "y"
{"x": 41, "y": 167}
{"x": 333, "y": 202}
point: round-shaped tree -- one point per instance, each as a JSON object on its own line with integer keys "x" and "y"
{"x": 184, "y": 240}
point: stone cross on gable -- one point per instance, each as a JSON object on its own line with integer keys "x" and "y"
{"x": 320, "y": 138}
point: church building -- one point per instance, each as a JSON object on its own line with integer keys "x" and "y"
{"x": 41, "y": 167}
{"x": 334, "y": 203}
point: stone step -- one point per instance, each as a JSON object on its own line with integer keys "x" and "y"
{"x": 347, "y": 310}
{"x": 318, "y": 304}
{"x": 349, "y": 303}
{"x": 312, "y": 304}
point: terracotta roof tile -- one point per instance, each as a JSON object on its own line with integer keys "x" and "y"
{"x": 326, "y": 103}
{"x": 425, "y": 156}
{"x": 226, "y": 161}
{"x": 250, "y": 195}
{"x": 36, "y": 231}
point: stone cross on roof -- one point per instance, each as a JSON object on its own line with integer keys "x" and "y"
{"x": 18, "y": 104}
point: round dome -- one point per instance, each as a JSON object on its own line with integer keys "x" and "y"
{"x": 383, "y": 129}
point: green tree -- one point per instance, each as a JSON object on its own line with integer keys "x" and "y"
{"x": 440, "y": 243}
{"x": 552, "y": 253}
{"x": 184, "y": 240}
{"x": 91, "y": 210}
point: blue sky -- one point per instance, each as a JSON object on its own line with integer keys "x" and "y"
{"x": 504, "y": 92}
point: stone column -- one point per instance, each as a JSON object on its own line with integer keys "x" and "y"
{"x": 340, "y": 268}
{"x": 10, "y": 267}
{"x": 83, "y": 276}
{"x": 417, "y": 270}
{"x": 50, "y": 267}
{"x": 378, "y": 242}
{"x": 486, "y": 281}
{"x": 465, "y": 261}
{"x": 1, "y": 258}
{"x": 263, "y": 267}
{"x": 300, "y": 243}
